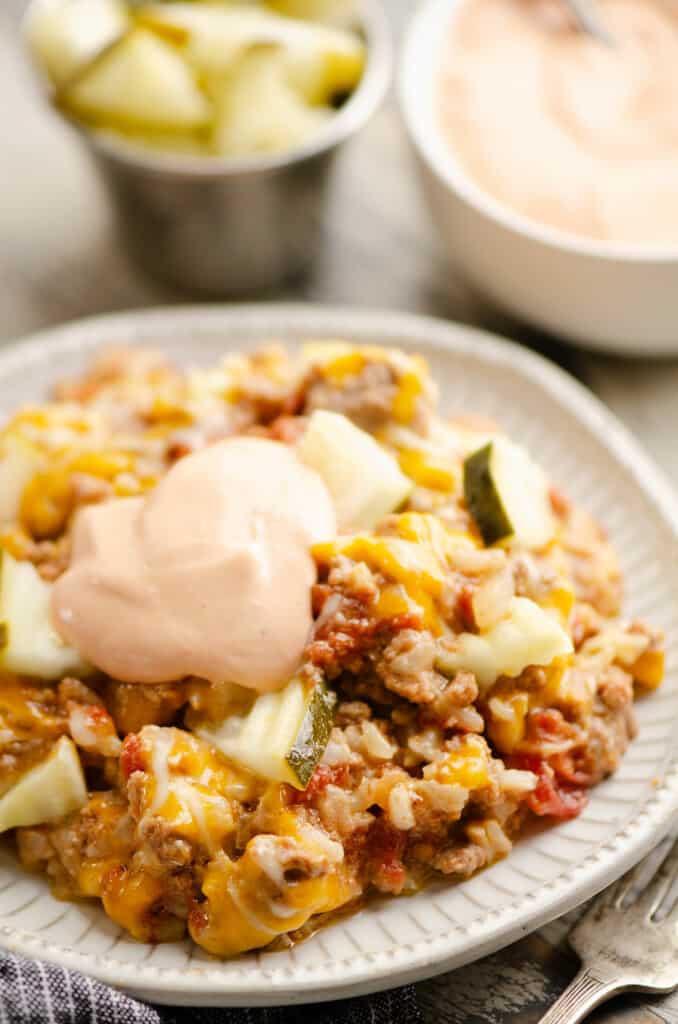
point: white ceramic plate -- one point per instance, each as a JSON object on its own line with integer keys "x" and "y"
{"x": 400, "y": 940}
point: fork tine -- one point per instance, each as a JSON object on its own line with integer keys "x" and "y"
{"x": 657, "y": 888}
{"x": 613, "y": 896}
{"x": 604, "y": 901}
{"x": 617, "y": 893}
{"x": 627, "y": 883}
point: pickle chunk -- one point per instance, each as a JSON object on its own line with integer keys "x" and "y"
{"x": 363, "y": 478}
{"x": 332, "y": 12}
{"x": 49, "y": 791}
{"x": 140, "y": 82}
{"x": 257, "y": 111}
{"x": 283, "y": 736}
{"x": 508, "y": 496}
{"x": 29, "y": 643}
{"x": 528, "y": 635}
{"x": 319, "y": 61}
{"x": 67, "y": 34}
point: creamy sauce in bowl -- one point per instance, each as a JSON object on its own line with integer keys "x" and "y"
{"x": 571, "y": 133}
{"x": 210, "y": 575}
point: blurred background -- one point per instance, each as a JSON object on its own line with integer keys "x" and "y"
{"x": 58, "y": 243}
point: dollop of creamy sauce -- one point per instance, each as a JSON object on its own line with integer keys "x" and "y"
{"x": 210, "y": 575}
{"x": 566, "y": 130}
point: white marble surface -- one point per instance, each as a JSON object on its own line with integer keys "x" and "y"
{"x": 60, "y": 259}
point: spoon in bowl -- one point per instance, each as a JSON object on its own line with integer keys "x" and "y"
{"x": 588, "y": 19}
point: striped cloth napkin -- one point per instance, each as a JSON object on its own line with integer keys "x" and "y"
{"x": 32, "y": 992}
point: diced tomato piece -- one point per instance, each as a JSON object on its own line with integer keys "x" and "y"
{"x": 551, "y": 724}
{"x": 323, "y": 776}
{"x": 178, "y": 450}
{"x": 565, "y": 767}
{"x": 559, "y": 503}
{"x": 386, "y": 845}
{"x": 392, "y": 876}
{"x": 294, "y": 403}
{"x": 551, "y": 797}
{"x": 465, "y": 607}
{"x": 397, "y": 623}
{"x": 99, "y": 717}
{"x": 548, "y": 722}
{"x": 132, "y": 757}
{"x": 198, "y": 918}
{"x": 320, "y": 592}
{"x": 551, "y": 727}
{"x": 288, "y": 429}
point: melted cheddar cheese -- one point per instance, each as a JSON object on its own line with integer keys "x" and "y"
{"x": 251, "y": 901}
{"x": 467, "y": 765}
{"x": 339, "y": 363}
{"x": 188, "y": 785}
{"x": 413, "y": 556}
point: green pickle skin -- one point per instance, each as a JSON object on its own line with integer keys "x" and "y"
{"x": 313, "y": 735}
{"x": 483, "y": 499}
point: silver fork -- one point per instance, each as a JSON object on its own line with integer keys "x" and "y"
{"x": 625, "y": 942}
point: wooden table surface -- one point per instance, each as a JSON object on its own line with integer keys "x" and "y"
{"x": 60, "y": 259}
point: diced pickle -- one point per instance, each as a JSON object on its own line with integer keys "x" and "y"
{"x": 202, "y": 79}
{"x": 507, "y": 495}
{"x": 320, "y": 62}
{"x": 140, "y": 82}
{"x": 29, "y": 643}
{"x": 64, "y": 36}
{"x": 49, "y": 791}
{"x": 363, "y": 478}
{"x": 332, "y": 12}
{"x": 283, "y": 736}
{"x": 527, "y": 636}
{"x": 313, "y": 735}
{"x": 256, "y": 110}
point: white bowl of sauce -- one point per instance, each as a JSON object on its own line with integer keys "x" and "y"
{"x": 551, "y": 161}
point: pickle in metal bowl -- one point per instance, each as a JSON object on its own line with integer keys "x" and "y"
{"x": 214, "y": 126}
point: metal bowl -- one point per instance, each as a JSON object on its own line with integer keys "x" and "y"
{"x": 235, "y": 226}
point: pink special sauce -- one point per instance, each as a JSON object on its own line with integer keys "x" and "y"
{"x": 210, "y": 575}
{"x": 570, "y": 132}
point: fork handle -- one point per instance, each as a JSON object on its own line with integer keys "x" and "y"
{"x": 581, "y": 997}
